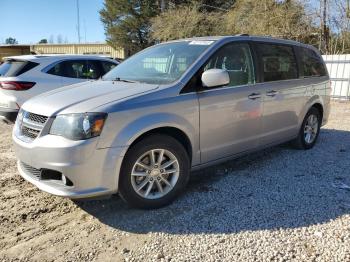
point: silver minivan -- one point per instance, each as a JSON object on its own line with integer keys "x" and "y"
{"x": 169, "y": 109}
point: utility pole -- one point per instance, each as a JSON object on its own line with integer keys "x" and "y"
{"x": 84, "y": 30}
{"x": 78, "y": 22}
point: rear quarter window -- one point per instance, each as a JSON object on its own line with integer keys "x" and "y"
{"x": 278, "y": 62}
{"x": 70, "y": 68}
{"x": 312, "y": 64}
{"x": 12, "y": 68}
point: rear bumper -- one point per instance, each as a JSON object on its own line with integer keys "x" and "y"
{"x": 8, "y": 115}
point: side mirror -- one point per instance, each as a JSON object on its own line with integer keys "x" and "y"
{"x": 215, "y": 77}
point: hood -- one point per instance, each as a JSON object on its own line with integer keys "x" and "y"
{"x": 83, "y": 97}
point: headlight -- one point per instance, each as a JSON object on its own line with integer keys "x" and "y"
{"x": 20, "y": 115}
{"x": 78, "y": 126}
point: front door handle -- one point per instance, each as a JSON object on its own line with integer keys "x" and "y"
{"x": 271, "y": 93}
{"x": 254, "y": 96}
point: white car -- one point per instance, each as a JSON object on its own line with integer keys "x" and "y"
{"x": 23, "y": 77}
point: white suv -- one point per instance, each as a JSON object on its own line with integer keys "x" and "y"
{"x": 22, "y": 77}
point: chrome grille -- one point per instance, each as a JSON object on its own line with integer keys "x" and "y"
{"x": 36, "y": 118}
{"x": 28, "y": 132}
{"x": 31, "y": 125}
{"x": 31, "y": 170}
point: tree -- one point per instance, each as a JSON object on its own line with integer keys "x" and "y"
{"x": 59, "y": 39}
{"x": 11, "y": 41}
{"x": 186, "y": 21}
{"x": 127, "y": 23}
{"x": 268, "y": 17}
{"x": 215, "y": 5}
{"x": 285, "y": 19}
{"x": 206, "y": 5}
{"x": 51, "y": 41}
{"x": 43, "y": 41}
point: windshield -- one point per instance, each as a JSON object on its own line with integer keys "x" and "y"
{"x": 161, "y": 64}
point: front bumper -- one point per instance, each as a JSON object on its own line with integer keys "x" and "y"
{"x": 93, "y": 172}
{"x": 8, "y": 115}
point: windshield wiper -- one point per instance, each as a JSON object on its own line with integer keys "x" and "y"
{"x": 124, "y": 80}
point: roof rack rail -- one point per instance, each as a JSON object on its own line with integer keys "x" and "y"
{"x": 242, "y": 35}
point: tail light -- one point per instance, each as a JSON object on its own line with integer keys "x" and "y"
{"x": 16, "y": 85}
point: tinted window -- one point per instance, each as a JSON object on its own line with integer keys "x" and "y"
{"x": 107, "y": 66}
{"x": 92, "y": 70}
{"x": 312, "y": 63}
{"x": 71, "y": 68}
{"x": 278, "y": 62}
{"x": 237, "y": 60}
{"x": 16, "y": 67}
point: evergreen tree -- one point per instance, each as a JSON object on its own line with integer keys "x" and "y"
{"x": 127, "y": 23}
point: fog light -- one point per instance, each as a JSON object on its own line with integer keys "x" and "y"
{"x": 66, "y": 181}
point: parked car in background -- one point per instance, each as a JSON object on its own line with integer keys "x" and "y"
{"x": 23, "y": 77}
{"x": 171, "y": 108}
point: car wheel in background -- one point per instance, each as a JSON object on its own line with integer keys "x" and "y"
{"x": 309, "y": 130}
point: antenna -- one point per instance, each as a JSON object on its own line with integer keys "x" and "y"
{"x": 78, "y": 25}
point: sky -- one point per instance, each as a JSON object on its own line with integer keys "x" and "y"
{"x": 29, "y": 21}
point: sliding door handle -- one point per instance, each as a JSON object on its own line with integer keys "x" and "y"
{"x": 254, "y": 96}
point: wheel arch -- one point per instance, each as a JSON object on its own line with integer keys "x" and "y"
{"x": 319, "y": 107}
{"x": 176, "y": 126}
{"x": 171, "y": 131}
{"x": 314, "y": 101}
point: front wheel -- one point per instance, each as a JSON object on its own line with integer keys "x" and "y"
{"x": 154, "y": 172}
{"x": 309, "y": 130}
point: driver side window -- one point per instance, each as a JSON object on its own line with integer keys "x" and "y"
{"x": 237, "y": 60}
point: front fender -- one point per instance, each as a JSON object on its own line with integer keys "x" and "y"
{"x": 146, "y": 123}
{"x": 134, "y": 129}
{"x": 127, "y": 134}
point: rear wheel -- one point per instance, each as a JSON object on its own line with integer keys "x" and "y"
{"x": 154, "y": 172}
{"x": 309, "y": 130}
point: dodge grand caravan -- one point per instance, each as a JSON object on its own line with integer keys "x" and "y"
{"x": 169, "y": 109}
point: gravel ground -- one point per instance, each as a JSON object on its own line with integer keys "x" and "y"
{"x": 279, "y": 204}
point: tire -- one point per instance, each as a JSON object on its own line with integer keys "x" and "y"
{"x": 302, "y": 142}
{"x": 164, "y": 150}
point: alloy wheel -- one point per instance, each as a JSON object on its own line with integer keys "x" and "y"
{"x": 155, "y": 173}
{"x": 311, "y": 129}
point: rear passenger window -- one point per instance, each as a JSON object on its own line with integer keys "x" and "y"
{"x": 312, "y": 63}
{"x": 237, "y": 60}
{"x": 92, "y": 70}
{"x": 71, "y": 68}
{"x": 278, "y": 62}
